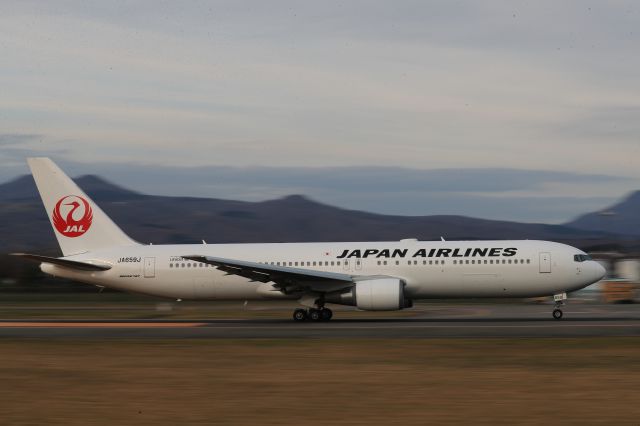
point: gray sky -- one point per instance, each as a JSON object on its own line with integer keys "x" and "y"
{"x": 285, "y": 92}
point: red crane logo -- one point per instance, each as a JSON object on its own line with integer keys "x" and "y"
{"x": 76, "y": 222}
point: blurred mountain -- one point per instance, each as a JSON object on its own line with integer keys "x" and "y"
{"x": 24, "y": 189}
{"x": 19, "y": 189}
{"x": 622, "y": 218}
{"x": 159, "y": 219}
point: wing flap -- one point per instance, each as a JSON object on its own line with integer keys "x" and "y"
{"x": 67, "y": 263}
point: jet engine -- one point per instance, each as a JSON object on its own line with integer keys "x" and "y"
{"x": 382, "y": 294}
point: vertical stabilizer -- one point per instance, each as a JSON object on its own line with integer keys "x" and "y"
{"x": 78, "y": 223}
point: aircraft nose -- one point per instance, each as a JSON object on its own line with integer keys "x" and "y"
{"x": 599, "y": 272}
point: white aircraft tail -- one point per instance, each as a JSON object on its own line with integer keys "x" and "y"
{"x": 78, "y": 223}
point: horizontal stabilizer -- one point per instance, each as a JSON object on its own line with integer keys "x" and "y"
{"x": 72, "y": 264}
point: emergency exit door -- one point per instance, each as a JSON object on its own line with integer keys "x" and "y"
{"x": 545, "y": 263}
{"x": 149, "y": 267}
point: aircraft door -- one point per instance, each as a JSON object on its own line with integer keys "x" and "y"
{"x": 358, "y": 264}
{"x": 345, "y": 265}
{"x": 545, "y": 263}
{"x": 149, "y": 267}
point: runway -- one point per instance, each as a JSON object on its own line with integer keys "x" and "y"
{"x": 482, "y": 321}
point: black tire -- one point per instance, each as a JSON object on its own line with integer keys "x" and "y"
{"x": 299, "y": 315}
{"x": 315, "y": 314}
{"x": 557, "y": 314}
{"x": 327, "y": 314}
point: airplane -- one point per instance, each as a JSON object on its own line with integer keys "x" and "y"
{"x": 372, "y": 276}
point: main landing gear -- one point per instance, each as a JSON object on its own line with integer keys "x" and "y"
{"x": 313, "y": 314}
{"x": 559, "y": 299}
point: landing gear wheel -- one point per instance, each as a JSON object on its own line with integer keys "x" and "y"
{"x": 299, "y": 315}
{"x": 315, "y": 314}
{"x": 327, "y": 314}
{"x": 557, "y": 314}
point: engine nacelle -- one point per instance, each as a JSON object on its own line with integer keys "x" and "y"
{"x": 382, "y": 294}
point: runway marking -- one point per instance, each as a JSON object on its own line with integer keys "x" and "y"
{"x": 99, "y": 325}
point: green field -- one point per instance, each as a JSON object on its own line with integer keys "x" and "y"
{"x": 287, "y": 382}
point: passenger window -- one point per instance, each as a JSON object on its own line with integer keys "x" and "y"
{"x": 397, "y": 262}
{"x": 384, "y": 262}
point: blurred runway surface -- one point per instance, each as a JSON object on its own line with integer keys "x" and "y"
{"x": 444, "y": 321}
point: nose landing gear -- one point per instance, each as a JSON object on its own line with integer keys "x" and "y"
{"x": 559, "y": 299}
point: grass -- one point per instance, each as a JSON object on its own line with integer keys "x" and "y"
{"x": 299, "y": 381}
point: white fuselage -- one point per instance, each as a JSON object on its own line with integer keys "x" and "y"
{"x": 443, "y": 269}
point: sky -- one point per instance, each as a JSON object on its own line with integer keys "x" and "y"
{"x": 514, "y": 110}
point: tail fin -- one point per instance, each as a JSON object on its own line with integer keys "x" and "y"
{"x": 78, "y": 223}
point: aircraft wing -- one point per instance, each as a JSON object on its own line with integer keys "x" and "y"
{"x": 72, "y": 264}
{"x": 287, "y": 279}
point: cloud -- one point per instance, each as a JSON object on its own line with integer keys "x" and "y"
{"x": 7, "y": 139}
{"x": 417, "y": 84}
{"x": 398, "y": 106}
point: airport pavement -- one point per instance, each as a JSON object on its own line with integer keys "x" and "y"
{"x": 448, "y": 321}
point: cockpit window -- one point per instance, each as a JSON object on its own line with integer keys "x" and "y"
{"x": 581, "y": 257}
